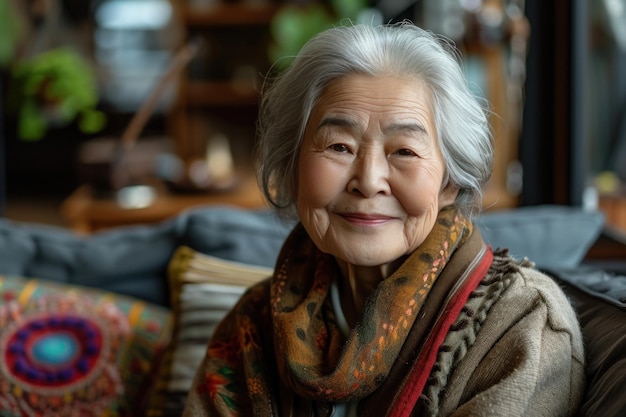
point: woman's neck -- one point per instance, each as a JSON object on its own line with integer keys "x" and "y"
{"x": 357, "y": 283}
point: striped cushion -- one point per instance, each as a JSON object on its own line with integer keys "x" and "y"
{"x": 203, "y": 289}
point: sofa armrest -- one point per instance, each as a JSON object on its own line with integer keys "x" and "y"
{"x": 599, "y": 300}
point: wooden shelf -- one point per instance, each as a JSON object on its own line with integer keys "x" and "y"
{"x": 224, "y": 14}
{"x": 220, "y": 89}
{"x": 87, "y": 213}
{"x": 218, "y": 93}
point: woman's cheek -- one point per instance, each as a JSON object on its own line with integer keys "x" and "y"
{"x": 414, "y": 199}
{"x": 418, "y": 190}
{"x": 319, "y": 183}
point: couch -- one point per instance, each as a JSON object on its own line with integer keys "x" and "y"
{"x": 135, "y": 304}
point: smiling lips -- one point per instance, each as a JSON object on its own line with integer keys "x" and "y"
{"x": 366, "y": 219}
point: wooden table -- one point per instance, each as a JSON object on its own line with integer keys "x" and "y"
{"x": 611, "y": 244}
{"x": 614, "y": 207}
{"x": 87, "y": 213}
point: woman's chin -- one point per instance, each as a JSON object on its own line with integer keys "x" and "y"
{"x": 375, "y": 258}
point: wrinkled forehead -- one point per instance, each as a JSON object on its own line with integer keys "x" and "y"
{"x": 389, "y": 98}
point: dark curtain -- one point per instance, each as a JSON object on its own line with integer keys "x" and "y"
{"x": 551, "y": 146}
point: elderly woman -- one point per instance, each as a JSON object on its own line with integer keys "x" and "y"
{"x": 385, "y": 301}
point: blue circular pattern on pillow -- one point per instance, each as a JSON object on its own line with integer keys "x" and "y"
{"x": 74, "y": 351}
{"x": 53, "y": 350}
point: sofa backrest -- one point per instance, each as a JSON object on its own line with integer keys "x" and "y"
{"x": 133, "y": 260}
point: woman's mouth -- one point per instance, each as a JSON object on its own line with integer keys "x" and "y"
{"x": 365, "y": 219}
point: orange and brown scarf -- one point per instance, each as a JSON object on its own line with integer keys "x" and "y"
{"x": 291, "y": 355}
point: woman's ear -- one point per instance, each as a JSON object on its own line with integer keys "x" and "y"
{"x": 448, "y": 194}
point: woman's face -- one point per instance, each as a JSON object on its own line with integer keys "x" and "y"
{"x": 370, "y": 170}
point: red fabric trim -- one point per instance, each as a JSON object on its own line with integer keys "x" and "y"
{"x": 410, "y": 393}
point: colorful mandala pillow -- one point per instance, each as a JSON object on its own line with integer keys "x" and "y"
{"x": 203, "y": 289}
{"x": 76, "y": 351}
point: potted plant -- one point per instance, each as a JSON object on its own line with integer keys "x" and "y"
{"x": 298, "y": 21}
{"x": 53, "y": 89}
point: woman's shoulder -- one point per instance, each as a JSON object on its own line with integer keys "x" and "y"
{"x": 540, "y": 287}
{"x": 516, "y": 335}
{"x": 526, "y": 288}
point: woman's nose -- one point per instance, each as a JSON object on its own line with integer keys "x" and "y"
{"x": 370, "y": 175}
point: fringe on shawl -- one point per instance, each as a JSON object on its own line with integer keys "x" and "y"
{"x": 466, "y": 327}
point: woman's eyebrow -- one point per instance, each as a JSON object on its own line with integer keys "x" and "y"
{"x": 410, "y": 127}
{"x": 337, "y": 121}
{"x": 396, "y": 127}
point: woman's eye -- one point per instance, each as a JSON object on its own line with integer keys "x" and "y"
{"x": 338, "y": 147}
{"x": 406, "y": 152}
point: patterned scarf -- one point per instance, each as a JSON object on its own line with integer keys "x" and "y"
{"x": 314, "y": 360}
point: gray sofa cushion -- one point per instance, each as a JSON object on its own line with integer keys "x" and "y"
{"x": 133, "y": 260}
{"x": 549, "y": 236}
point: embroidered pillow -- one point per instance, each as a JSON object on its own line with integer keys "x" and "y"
{"x": 68, "y": 350}
{"x": 203, "y": 289}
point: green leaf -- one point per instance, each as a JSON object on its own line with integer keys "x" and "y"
{"x": 53, "y": 89}
{"x": 293, "y": 26}
{"x": 226, "y": 371}
{"x": 348, "y": 8}
{"x": 32, "y": 126}
{"x": 229, "y": 401}
{"x": 91, "y": 121}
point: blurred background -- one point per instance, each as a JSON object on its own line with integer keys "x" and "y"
{"x": 117, "y": 112}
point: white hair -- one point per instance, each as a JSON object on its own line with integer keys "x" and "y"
{"x": 401, "y": 49}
